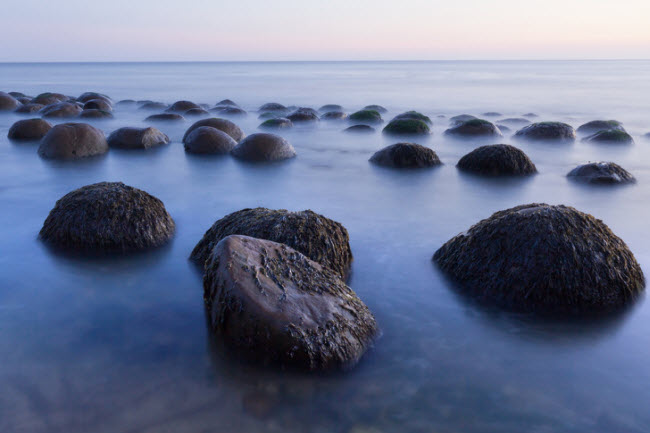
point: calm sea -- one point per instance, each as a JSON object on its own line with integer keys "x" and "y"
{"x": 121, "y": 345}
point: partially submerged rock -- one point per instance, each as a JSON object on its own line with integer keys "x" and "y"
{"x": 108, "y": 217}
{"x": 515, "y": 121}
{"x": 273, "y": 106}
{"x": 407, "y": 127}
{"x": 461, "y": 118}
{"x": 497, "y": 160}
{"x": 330, "y": 107}
{"x": 263, "y": 147}
{"x": 226, "y": 103}
{"x": 366, "y": 116}
{"x": 547, "y": 131}
{"x": 72, "y": 140}
{"x": 321, "y": 239}
{"x": 8, "y": 102}
{"x": 601, "y": 172}
{"x": 151, "y": 105}
{"x": 273, "y": 304}
{"x": 360, "y": 129}
{"x": 165, "y": 117}
{"x": 229, "y": 111}
{"x": 613, "y": 136}
{"x": 474, "y": 128}
{"x": 95, "y": 114}
{"x": 48, "y": 98}
{"x": 209, "y": 140}
{"x": 182, "y": 106}
{"x": 276, "y": 123}
{"x": 195, "y": 112}
{"x": 89, "y": 96}
{"x": 98, "y": 104}
{"x": 406, "y": 155}
{"x": 334, "y": 115}
{"x": 413, "y": 115}
{"x": 137, "y": 138}
{"x": 543, "y": 259}
{"x": 224, "y": 125}
{"x": 375, "y": 107}
{"x": 29, "y": 130}
{"x": 303, "y": 115}
{"x": 61, "y": 110}
{"x": 29, "y": 108}
{"x": 492, "y": 114}
{"x": 599, "y": 125}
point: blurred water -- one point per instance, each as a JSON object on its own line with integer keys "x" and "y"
{"x": 105, "y": 345}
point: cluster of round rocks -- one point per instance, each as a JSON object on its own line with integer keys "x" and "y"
{"x": 275, "y": 281}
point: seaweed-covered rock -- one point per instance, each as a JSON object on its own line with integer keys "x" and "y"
{"x": 406, "y": 155}
{"x": 98, "y": 104}
{"x": 263, "y": 147}
{"x": 366, "y": 116}
{"x": 375, "y": 107}
{"x": 276, "y": 123}
{"x": 29, "y": 129}
{"x": 614, "y": 136}
{"x": 547, "y": 131}
{"x": 360, "y": 129}
{"x": 8, "y": 102}
{"x": 413, "y": 115}
{"x": 321, "y": 239}
{"x": 209, "y": 140}
{"x": 599, "y": 125}
{"x": 196, "y": 112}
{"x": 474, "y": 128}
{"x": 273, "y": 106}
{"x": 165, "y": 117}
{"x": 330, "y": 107}
{"x": 303, "y": 114}
{"x": 89, "y": 96}
{"x": 49, "y": 98}
{"x": 224, "y": 125}
{"x": 274, "y": 305}
{"x": 61, "y": 110}
{"x": 153, "y": 106}
{"x": 543, "y": 259}
{"x": 601, "y": 172}
{"x": 137, "y": 138}
{"x": 29, "y": 108}
{"x": 72, "y": 140}
{"x": 461, "y": 118}
{"x": 108, "y": 217}
{"x": 407, "y": 127}
{"x": 95, "y": 114}
{"x": 334, "y": 115}
{"x": 182, "y": 106}
{"x": 497, "y": 160}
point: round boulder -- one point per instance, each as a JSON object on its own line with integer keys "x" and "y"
{"x": 95, "y": 114}
{"x": 108, "y": 217}
{"x": 98, "y": 104}
{"x": 221, "y": 124}
{"x": 209, "y": 140}
{"x": 334, "y": 115}
{"x": 360, "y": 129}
{"x": 274, "y": 305}
{"x": 474, "y": 128}
{"x": 601, "y": 172}
{"x": 612, "y": 136}
{"x": 72, "y": 140}
{"x": 29, "y": 130}
{"x": 547, "y": 131}
{"x": 229, "y": 111}
{"x": 150, "y": 105}
{"x": 226, "y": 103}
{"x": 89, "y": 96}
{"x": 543, "y": 259}
{"x": 366, "y": 116}
{"x": 29, "y": 108}
{"x": 406, "y": 155}
{"x": 375, "y": 107}
{"x": 137, "y": 138}
{"x": 321, "y": 239}
{"x": 8, "y": 102}
{"x": 182, "y": 106}
{"x": 330, "y": 107}
{"x": 407, "y": 127}
{"x": 599, "y": 125}
{"x": 49, "y": 98}
{"x": 303, "y": 115}
{"x": 413, "y": 115}
{"x": 515, "y": 121}
{"x": 276, "y": 123}
{"x": 497, "y": 160}
{"x": 461, "y": 118}
{"x": 61, "y": 110}
{"x": 263, "y": 147}
{"x": 195, "y": 112}
{"x": 273, "y": 106}
{"x": 165, "y": 117}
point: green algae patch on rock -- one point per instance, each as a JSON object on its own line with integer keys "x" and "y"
{"x": 108, "y": 217}
{"x": 543, "y": 259}
{"x": 316, "y": 236}
{"x": 366, "y": 116}
{"x": 406, "y": 127}
{"x": 497, "y": 160}
{"x": 414, "y": 115}
{"x": 601, "y": 173}
{"x": 406, "y": 155}
{"x": 273, "y": 304}
{"x": 611, "y": 136}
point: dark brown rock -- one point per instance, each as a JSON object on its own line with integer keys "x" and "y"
{"x": 61, "y": 110}
{"x": 406, "y": 155}
{"x": 601, "y": 172}
{"x": 265, "y": 147}
{"x": 209, "y": 140}
{"x": 137, "y": 138}
{"x": 224, "y": 125}
{"x": 29, "y": 129}
{"x": 497, "y": 160}
{"x": 72, "y": 140}
{"x": 8, "y": 102}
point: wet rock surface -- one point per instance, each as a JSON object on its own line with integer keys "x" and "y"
{"x": 406, "y": 127}
{"x": 182, "y": 106}
{"x": 543, "y": 259}
{"x": 8, "y": 102}
{"x": 165, "y": 117}
{"x": 497, "y": 160}
{"x": 601, "y": 172}
{"x": 303, "y": 115}
{"x": 108, "y": 217}
{"x": 49, "y": 98}
{"x": 224, "y": 125}
{"x": 474, "y": 128}
{"x": 547, "y": 131}
{"x": 263, "y": 147}
{"x": 274, "y": 304}
{"x": 137, "y": 138}
{"x": 29, "y": 130}
{"x": 29, "y": 108}
{"x": 612, "y": 136}
{"x": 276, "y": 123}
{"x": 321, "y": 239}
{"x": 413, "y": 115}
{"x": 360, "y": 129}
{"x": 72, "y": 140}
{"x": 406, "y": 155}
{"x": 599, "y": 125}
{"x": 209, "y": 140}
{"x": 334, "y": 115}
{"x": 370, "y": 117}
{"x": 98, "y": 104}
{"x": 95, "y": 114}
{"x": 61, "y": 110}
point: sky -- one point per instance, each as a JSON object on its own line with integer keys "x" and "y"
{"x": 268, "y": 30}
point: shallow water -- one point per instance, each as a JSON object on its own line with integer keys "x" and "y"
{"x": 121, "y": 344}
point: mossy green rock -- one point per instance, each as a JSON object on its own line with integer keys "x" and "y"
{"x": 600, "y": 125}
{"x": 414, "y": 115}
{"x": 366, "y": 116}
{"x": 613, "y": 136}
{"x": 407, "y": 127}
{"x": 276, "y": 123}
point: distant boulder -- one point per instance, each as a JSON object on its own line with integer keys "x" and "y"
{"x": 95, "y": 114}
{"x": 303, "y": 115}
{"x": 334, "y": 115}
{"x": 547, "y": 131}
{"x": 72, "y": 140}
{"x": 29, "y": 130}
{"x": 229, "y": 111}
{"x": 209, "y": 140}
{"x": 137, "y": 138}
{"x": 413, "y": 115}
{"x": 375, "y": 107}
{"x": 49, "y": 98}
{"x": 165, "y": 117}
{"x": 182, "y": 106}
{"x": 599, "y": 125}
{"x": 89, "y": 96}
{"x": 8, "y": 102}
{"x": 273, "y": 106}
{"x": 61, "y": 110}
{"x": 263, "y": 147}
{"x": 153, "y": 106}
{"x": 360, "y": 129}
{"x": 474, "y": 128}
{"x": 196, "y": 112}
{"x": 29, "y": 108}
{"x": 497, "y": 160}
{"x": 226, "y": 103}
{"x": 601, "y": 172}
{"x": 366, "y": 116}
{"x": 406, "y": 127}
{"x": 612, "y": 136}
{"x": 515, "y": 121}
{"x": 98, "y": 104}
{"x": 461, "y": 118}
{"x": 277, "y": 123}
{"x": 330, "y": 107}
{"x": 224, "y": 125}
{"x": 406, "y": 155}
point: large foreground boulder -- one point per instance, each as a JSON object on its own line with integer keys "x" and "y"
{"x": 273, "y": 304}
{"x": 263, "y": 147}
{"x": 137, "y": 138}
{"x": 547, "y": 131}
{"x": 407, "y": 127}
{"x": 601, "y": 172}
{"x": 319, "y": 238}
{"x": 108, "y": 217}
{"x": 29, "y": 129}
{"x": 406, "y": 155}
{"x": 72, "y": 140}
{"x": 543, "y": 259}
{"x": 497, "y": 160}
{"x": 474, "y": 128}
{"x": 8, "y": 102}
{"x": 61, "y": 110}
{"x": 209, "y": 140}
{"x": 224, "y": 125}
